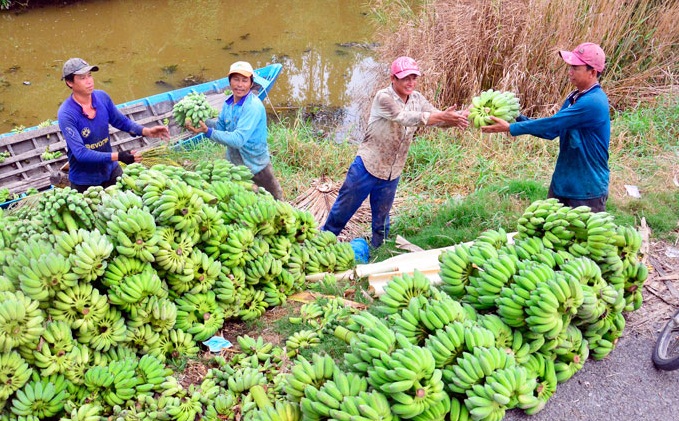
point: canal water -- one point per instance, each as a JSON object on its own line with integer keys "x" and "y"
{"x": 145, "y": 47}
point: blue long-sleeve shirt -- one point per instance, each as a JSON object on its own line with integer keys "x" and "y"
{"x": 241, "y": 127}
{"x": 583, "y": 126}
{"x": 88, "y": 145}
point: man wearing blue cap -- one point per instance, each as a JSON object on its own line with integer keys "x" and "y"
{"x": 84, "y": 119}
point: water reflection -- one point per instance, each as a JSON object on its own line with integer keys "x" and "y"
{"x": 144, "y": 47}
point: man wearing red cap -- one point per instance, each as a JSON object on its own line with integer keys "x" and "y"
{"x": 397, "y": 111}
{"x": 583, "y": 125}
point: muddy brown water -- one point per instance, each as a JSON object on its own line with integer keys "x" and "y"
{"x": 145, "y": 47}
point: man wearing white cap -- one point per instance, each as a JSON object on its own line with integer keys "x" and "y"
{"x": 583, "y": 126}
{"x": 397, "y": 111}
{"x": 84, "y": 118}
{"x": 241, "y": 127}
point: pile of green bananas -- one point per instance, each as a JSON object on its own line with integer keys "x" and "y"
{"x": 193, "y": 108}
{"x": 50, "y": 155}
{"x": 503, "y": 105}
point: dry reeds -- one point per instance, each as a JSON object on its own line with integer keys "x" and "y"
{"x": 466, "y": 46}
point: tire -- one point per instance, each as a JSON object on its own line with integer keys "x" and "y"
{"x": 666, "y": 352}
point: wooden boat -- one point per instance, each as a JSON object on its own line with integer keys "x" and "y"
{"x": 24, "y": 168}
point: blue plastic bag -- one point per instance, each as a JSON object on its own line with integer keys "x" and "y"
{"x": 361, "y": 250}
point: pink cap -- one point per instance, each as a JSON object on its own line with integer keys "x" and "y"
{"x": 404, "y": 66}
{"x": 585, "y": 53}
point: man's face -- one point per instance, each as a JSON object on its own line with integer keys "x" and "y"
{"x": 83, "y": 84}
{"x": 240, "y": 85}
{"x": 581, "y": 76}
{"x": 404, "y": 86}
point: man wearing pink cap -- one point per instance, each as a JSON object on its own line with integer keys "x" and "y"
{"x": 583, "y": 125}
{"x": 397, "y": 111}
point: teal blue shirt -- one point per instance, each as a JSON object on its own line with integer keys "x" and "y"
{"x": 241, "y": 127}
{"x": 583, "y": 125}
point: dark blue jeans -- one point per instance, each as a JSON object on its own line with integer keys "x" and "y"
{"x": 358, "y": 185}
{"x": 598, "y": 204}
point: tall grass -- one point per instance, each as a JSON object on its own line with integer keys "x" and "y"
{"x": 465, "y": 46}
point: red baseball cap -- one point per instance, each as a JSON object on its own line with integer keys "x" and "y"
{"x": 585, "y": 53}
{"x": 404, "y": 66}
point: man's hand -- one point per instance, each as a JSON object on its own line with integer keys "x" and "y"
{"x": 156, "y": 131}
{"x": 129, "y": 157}
{"x": 450, "y": 117}
{"x": 201, "y": 129}
{"x": 499, "y": 126}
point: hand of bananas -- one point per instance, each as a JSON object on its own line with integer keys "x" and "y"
{"x": 500, "y": 104}
{"x": 193, "y": 108}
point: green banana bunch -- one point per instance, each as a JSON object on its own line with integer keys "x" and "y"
{"x": 473, "y": 367}
{"x": 184, "y": 409}
{"x": 400, "y": 290}
{"x": 40, "y": 398}
{"x": 244, "y": 379}
{"x": 44, "y": 276}
{"x": 225, "y": 290}
{"x": 409, "y": 324}
{"x": 300, "y": 340}
{"x": 253, "y": 304}
{"x": 504, "y": 105}
{"x": 84, "y": 412}
{"x": 305, "y": 374}
{"x": 134, "y": 289}
{"x": 199, "y": 315}
{"x": 447, "y": 344}
{"x": 259, "y": 217}
{"x": 15, "y": 372}
{"x": 64, "y": 209}
{"x": 238, "y": 242}
{"x": 252, "y": 346}
{"x": 285, "y": 220}
{"x": 178, "y": 206}
{"x": 174, "y": 343}
{"x": 456, "y": 269}
{"x": 484, "y": 288}
{"x": 107, "y": 331}
{"x": 306, "y": 226}
{"x": 174, "y": 253}
{"x": 90, "y": 257}
{"x": 436, "y": 314}
{"x": 365, "y": 406}
{"x": 531, "y": 222}
{"x": 54, "y": 354}
{"x": 373, "y": 339}
{"x": 157, "y": 313}
{"x": 542, "y": 368}
{"x": 142, "y": 337}
{"x": 193, "y": 108}
{"x": 21, "y": 321}
{"x": 140, "y": 242}
{"x": 21, "y": 256}
{"x": 151, "y": 373}
{"x": 280, "y": 411}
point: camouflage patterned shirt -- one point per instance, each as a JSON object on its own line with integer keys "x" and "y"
{"x": 391, "y": 127}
